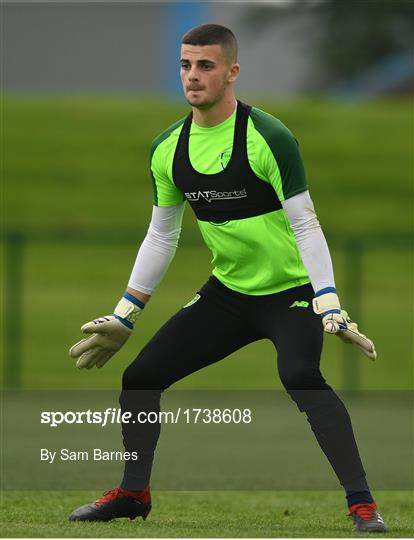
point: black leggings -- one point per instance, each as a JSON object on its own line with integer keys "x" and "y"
{"x": 220, "y": 322}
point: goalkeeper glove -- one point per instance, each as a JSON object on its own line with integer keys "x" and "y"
{"x": 336, "y": 321}
{"x": 109, "y": 333}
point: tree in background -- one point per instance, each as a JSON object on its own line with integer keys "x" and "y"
{"x": 349, "y": 36}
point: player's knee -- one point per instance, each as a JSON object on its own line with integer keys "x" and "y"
{"x": 129, "y": 378}
{"x": 144, "y": 372}
{"x": 138, "y": 376}
{"x": 301, "y": 378}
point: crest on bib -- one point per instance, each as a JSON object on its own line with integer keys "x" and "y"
{"x": 225, "y": 157}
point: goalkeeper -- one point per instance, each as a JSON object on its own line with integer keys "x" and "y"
{"x": 240, "y": 170}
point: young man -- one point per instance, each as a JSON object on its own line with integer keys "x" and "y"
{"x": 240, "y": 170}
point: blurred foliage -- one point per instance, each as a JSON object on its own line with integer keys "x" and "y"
{"x": 356, "y": 33}
{"x": 360, "y": 33}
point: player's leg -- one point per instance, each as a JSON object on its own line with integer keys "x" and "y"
{"x": 297, "y": 334}
{"x": 198, "y": 335}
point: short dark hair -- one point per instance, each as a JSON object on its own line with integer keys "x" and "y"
{"x": 213, "y": 34}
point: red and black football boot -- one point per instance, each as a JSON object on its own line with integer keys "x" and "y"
{"x": 115, "y": 503}
{"x": 367, "y": 518}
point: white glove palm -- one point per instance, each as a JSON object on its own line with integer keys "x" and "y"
{"x": 108, "y": 334}
{"x": 337, "y": 321}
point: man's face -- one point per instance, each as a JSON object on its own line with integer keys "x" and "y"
{"x": 205, "y": 74}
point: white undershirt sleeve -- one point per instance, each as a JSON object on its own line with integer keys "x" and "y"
{"x": 157, "y": 249}
{"x": 310, "y": 240}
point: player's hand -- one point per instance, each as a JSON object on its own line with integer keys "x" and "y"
{"x": 337, "y": 321}
{"x": 107, "y": 334}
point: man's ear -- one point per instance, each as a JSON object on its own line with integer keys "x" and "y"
{"x": 234, "y": 72}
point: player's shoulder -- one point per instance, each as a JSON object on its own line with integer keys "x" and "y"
{"x": 168, "y": 136}
{"x": 271, "y": 128}
{"x": 274, "y": 135}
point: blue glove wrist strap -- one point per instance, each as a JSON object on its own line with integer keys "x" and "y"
{"x": 326, "y": 290}
{"x": 134, "y": 300}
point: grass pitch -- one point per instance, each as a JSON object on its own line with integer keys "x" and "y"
{"x": 205, "y": 514}
{"x": 80, "y": 160}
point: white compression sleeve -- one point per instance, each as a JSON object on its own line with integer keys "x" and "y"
{"x": 311, "y": 240}
{"x": 157, "y": 249}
